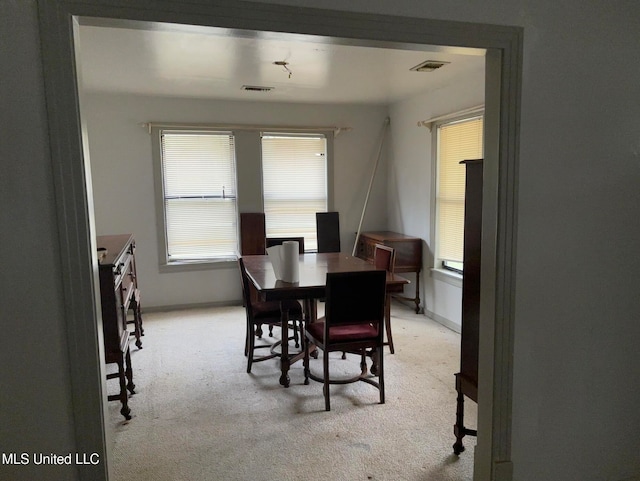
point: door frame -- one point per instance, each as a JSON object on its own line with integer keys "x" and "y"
{"x": 70, "y": 163}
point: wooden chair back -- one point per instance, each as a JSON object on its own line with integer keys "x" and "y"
{"x": 276, "y": 241}
{"x": 384, "y": 257}
{"x": 252, "y": 233}
{"x": 248, "y": 295}
{"x": 328, "y": 231}
{"x": 355, "y": 298}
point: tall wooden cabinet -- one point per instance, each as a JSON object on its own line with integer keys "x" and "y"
{"x": 467, "y": 378}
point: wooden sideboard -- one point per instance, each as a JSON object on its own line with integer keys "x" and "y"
{"x": 118, "y": 293}
{"x": 408, "y": 254}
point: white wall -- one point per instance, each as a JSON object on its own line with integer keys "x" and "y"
{"x": 36, "y": 413}
{"x": 409, "y": 189}
{"x": 123, "y": 183}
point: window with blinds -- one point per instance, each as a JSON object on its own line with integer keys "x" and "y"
{"x": 294, "y": 176}
{"x": 199, "y": 189}
{"x": 456, "y": 141}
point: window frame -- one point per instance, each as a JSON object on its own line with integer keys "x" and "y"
{"x": 165, "y": 265}
{"x": 439, "y": 271}
{"x": 328, "y": 166}
{"x": 242, "y": 203}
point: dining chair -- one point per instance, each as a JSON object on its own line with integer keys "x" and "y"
{"x": 260, "y": 313}
{"x": 328, "y": 231}
{"x": 328, "y": 234}
{"x": 252, "y": 233}
{"x": 384, "y": 257}
{"x": 353, "y": 322}
{"x": 276, "y": 241}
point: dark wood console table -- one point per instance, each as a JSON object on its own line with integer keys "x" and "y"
{"x": 119, "y": 293}
{"x": 408, "y": 255}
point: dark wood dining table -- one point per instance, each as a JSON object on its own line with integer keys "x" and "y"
{"x": 313, "y": 269}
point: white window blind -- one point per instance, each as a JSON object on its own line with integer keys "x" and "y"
{"x": 457, "y": 141}
{"x": 199, "y": 180}
{"x": 294, "y": 173}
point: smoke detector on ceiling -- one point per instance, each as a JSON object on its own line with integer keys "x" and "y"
{"x": 257, "y": 88}
{"x": 429, "y": 66}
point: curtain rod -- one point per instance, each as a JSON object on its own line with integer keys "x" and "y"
{"x": 429, "y": 122}
{"x": 278, "y": 128}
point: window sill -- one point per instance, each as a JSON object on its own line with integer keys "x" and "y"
{"x": 447, "y": 276}
{"x": 204, "y": 265}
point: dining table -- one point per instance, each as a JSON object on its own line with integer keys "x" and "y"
{"x": 311, "y": 286}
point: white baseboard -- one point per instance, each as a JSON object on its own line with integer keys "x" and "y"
{"x": 455, "y": 327}
{"x": 176, "y": 307}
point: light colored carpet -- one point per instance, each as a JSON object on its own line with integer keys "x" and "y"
{"x": 197, "y": 414}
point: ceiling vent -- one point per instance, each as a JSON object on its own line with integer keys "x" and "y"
{"x": 429, "y": 66}
{"x": 257, "y": 88}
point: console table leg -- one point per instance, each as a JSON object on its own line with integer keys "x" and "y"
{"x": 125, "y": 410}
{"x": 129, "y": 373}
{"x": 137, "y": 318}
{"x": 417, "y": 298}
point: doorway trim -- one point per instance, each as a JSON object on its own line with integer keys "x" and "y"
{"x": 70, "y": 165}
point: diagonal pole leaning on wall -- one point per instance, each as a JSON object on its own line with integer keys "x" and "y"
{"x": 373, "y": 175}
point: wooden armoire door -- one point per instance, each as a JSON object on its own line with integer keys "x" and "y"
{"x": 467, "y": 378}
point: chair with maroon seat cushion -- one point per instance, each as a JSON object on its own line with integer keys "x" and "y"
{"x": 260, "y": 313}
{"x": 384, "y": 257}
{"x": 353, "y": 322}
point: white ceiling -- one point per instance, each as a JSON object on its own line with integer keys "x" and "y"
{"x": 185, "y": 61}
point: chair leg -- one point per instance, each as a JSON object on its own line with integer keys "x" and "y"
{"x": 296, "y": 339}
{"x": 387, "y": 322}
{"x": 325, "y": 362}
{"x": 374, "y": 361}
{"x": 252, "y": 342}
{"x": 389, "y": 336}
{"x": 381, "y": 373}
{"x": 305, "y": 360}
{"x": 246, "y": 342}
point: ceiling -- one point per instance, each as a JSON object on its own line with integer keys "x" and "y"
{"x": 205, "y": 62}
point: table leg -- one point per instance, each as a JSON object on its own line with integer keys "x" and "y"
{"x": 284, "y": 355}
